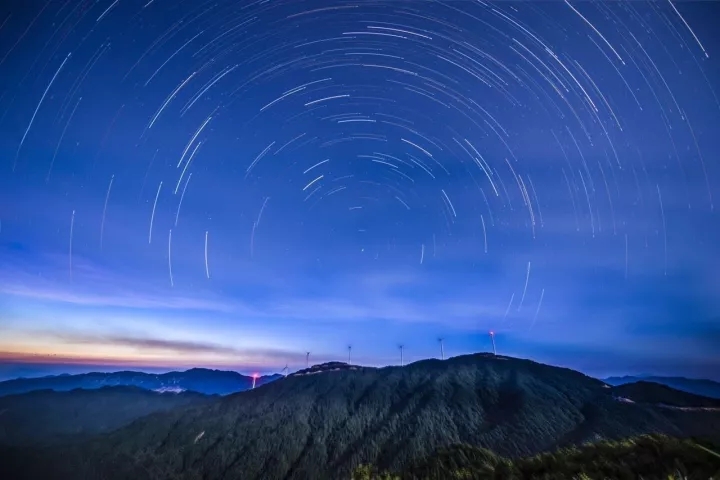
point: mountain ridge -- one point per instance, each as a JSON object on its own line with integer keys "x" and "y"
{"x": 202, "y": 380}
{"x": 323, "y": 426}
{"x": 698, "y": 386}
{"x": 662, "y": 395}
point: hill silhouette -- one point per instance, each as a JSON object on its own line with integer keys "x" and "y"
{"x": 46, "y": 417}
{"x": 706, "y": 388}
{"x": 324, "y": 425}
{"x": 655, "y": 393}
{"x": 202, "y": 380}
{"x": 327, "y": 367}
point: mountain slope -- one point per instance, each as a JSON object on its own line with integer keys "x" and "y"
{"x": 706, "y": 388}
{"x": 46, "y": 416}
{"x": 323, "y": 425}
{"x": 210, "y": 382}
{"x": 658, "y": 394}
{"x": 651, "y": 456}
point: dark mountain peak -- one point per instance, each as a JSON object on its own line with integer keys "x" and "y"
{"x": 504, "y": 364}
{"x": 328, "y": 367}
{"x": 204, "y": 371}
{"x": 496, "y": 366}
{"x": 118, "y": 373}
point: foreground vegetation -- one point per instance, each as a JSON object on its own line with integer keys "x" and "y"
{"x": 647, "y": 457}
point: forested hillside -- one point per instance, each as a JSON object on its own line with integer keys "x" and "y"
{"x": 322, "y": 426}
{"x": 46, "y": 417}
{"x": 647, "y": 457}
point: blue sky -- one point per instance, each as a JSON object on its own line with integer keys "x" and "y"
{"x": 233, "y": 186}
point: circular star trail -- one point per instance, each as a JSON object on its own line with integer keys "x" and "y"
{"x": 495, "y": 148}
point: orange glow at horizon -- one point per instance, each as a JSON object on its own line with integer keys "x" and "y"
{"x": 165, "y": 362}
{"x": 118, "y": 355}
{"x": 36, "y": 347}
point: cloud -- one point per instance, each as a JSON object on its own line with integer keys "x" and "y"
{"x": 403, "y": 295}
{"x": 153, "y": 344}
{"x": 94, "y": 287}
{"x": 121, "y": 298}
{"x": 176, "y": 349}
{"x": 319, "y": 312}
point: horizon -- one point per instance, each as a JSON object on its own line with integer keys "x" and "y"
{"x": 236, "y": 185}
{"x": 38, "y": 369}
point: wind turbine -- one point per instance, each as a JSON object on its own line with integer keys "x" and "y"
{"x": 349, "y": 351}
{"x": 442, "y": 350}
{"x": 254, "y": 379}
{"x": 402, "y": 364}
{"x": 307, "y": 360}
{"x": 285, "y": 370}
{"x": 492, "y": 337}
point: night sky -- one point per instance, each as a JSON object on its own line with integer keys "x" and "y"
{"x": 231, "y": 184}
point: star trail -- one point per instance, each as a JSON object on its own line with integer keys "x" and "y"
{"x": 370, "y": 173}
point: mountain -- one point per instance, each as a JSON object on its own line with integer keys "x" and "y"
{"x": 202, "y": 380}
{"x": 648, "y": 456}
{"x": 327, "y": 367}
{"x": 324, "y": 425}
{"x": 658, "y": 394}
{"x": 45, "y": 416}
{"x": 706, "y": 388}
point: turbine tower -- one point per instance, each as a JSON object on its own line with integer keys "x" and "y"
{"x": 492, "y": 337}
{"x": 442, "y": 350}
{"x": 307, "y": 360}
{"x": 254, "y": 379}
{"x": 402, "y": 364}
{"x": 349, "y": 351}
